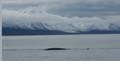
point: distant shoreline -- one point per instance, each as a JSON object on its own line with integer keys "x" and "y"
{"x": 61, "y": 34}
{"x": 16, "y": 31}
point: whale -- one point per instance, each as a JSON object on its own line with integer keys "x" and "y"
{"x": 56, "y": 49}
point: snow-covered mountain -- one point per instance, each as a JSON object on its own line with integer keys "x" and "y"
{"x": 57, "y": 28}
{"x": 29, "y": 22}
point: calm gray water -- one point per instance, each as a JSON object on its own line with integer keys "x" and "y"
{"x": 30, "y": 48}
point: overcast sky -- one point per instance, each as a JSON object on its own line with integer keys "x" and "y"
{"x": 79, "y": 13}
{"x": 66, "y": 7}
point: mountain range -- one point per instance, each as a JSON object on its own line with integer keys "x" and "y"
{"x": 59, "y": 29}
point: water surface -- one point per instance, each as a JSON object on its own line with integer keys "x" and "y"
{"x": 104, "y": 47}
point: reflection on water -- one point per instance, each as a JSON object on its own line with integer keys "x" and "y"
{"x": 64, "y": 55}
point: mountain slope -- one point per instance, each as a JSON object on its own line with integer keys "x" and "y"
{"x": 46, "y": 28}
{"x": 14, "y": 31}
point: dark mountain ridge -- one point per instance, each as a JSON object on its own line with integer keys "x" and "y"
{"x": 18, "y": 31}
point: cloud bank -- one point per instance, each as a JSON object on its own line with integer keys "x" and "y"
{"x": 62, "y": 15}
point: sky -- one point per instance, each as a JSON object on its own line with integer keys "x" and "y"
{"x": 63, "y": 15}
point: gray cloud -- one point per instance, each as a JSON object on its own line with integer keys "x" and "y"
{"x": 63, "y": 15}
{"x": 55, "y": 22}
{"x": 68, "y": 8}
{"x": 88, "y": 9}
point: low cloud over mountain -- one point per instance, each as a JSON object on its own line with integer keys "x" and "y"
{"x": 61, "y": 16}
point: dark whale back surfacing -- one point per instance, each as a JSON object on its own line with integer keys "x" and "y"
{"x": 56, "y": 49}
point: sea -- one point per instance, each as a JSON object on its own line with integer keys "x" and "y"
{"x": 83, "y": 47}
